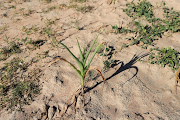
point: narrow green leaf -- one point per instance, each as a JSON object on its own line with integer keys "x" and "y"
{"x": 77, "y": 60}
{"x": 81, "y": 54}
{"x": 87, "y": 54}
{"x": 97, "y": 48}
{"x": 83, "y": 51}
{"x": 55, "y": 60}
{"x": 78, "y": 72}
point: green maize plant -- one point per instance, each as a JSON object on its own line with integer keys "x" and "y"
{"x": 83, "y": 68}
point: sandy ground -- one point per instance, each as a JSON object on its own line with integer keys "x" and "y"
{"x": 133, "y": 90}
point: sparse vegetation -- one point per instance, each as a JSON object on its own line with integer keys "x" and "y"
{"x": 82, "y": 9}
{"x": 33, "y": 43}
{"x": 164, "y": 57}
{"x": 73, "y": 6}
{"x": 76, "y": 25}
{"x": 25, "y": 12}
{"x": 124, "y": 45}
{"x": 107, "y": 63}
{"x": 152, "y": 31}
{"x": 107, "y": 53}
{"x": 14, "y": 7}
{"x": 172, "y": 20}
{"x": 48, "y": 30}
{"x": 29, "y": 31}
{"x": 17, "y": 89}
{"x": 85, "y": 9}
{"x": 156, "y": 27}
{"x": 140, "y": 9}
{"x": 121, "y": 30}
{"x": 13, "y": 47}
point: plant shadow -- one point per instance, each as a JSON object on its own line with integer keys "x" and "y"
{"x": 111, "y": 52}
{"x": 122, "y": 68}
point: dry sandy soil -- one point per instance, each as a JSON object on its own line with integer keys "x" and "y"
{"x": 133, "y": 89}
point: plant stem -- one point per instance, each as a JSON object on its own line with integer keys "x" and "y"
{"x": 83, "y": 95}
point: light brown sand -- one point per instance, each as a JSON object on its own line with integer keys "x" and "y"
{"x": 133, "y": 89}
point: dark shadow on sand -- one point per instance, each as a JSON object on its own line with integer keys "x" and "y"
{"x": 121, "y": 69}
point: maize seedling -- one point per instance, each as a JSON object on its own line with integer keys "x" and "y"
{"x": 83, "y": 68}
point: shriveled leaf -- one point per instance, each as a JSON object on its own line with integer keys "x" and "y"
{"x": 99, "y": 71}
{"x": 57, "y": 59}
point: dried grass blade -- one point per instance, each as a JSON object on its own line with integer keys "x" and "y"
{"x": 99, "y": 71}
{"x": 57, "y": 59}
{"x": 177, "y": 80}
